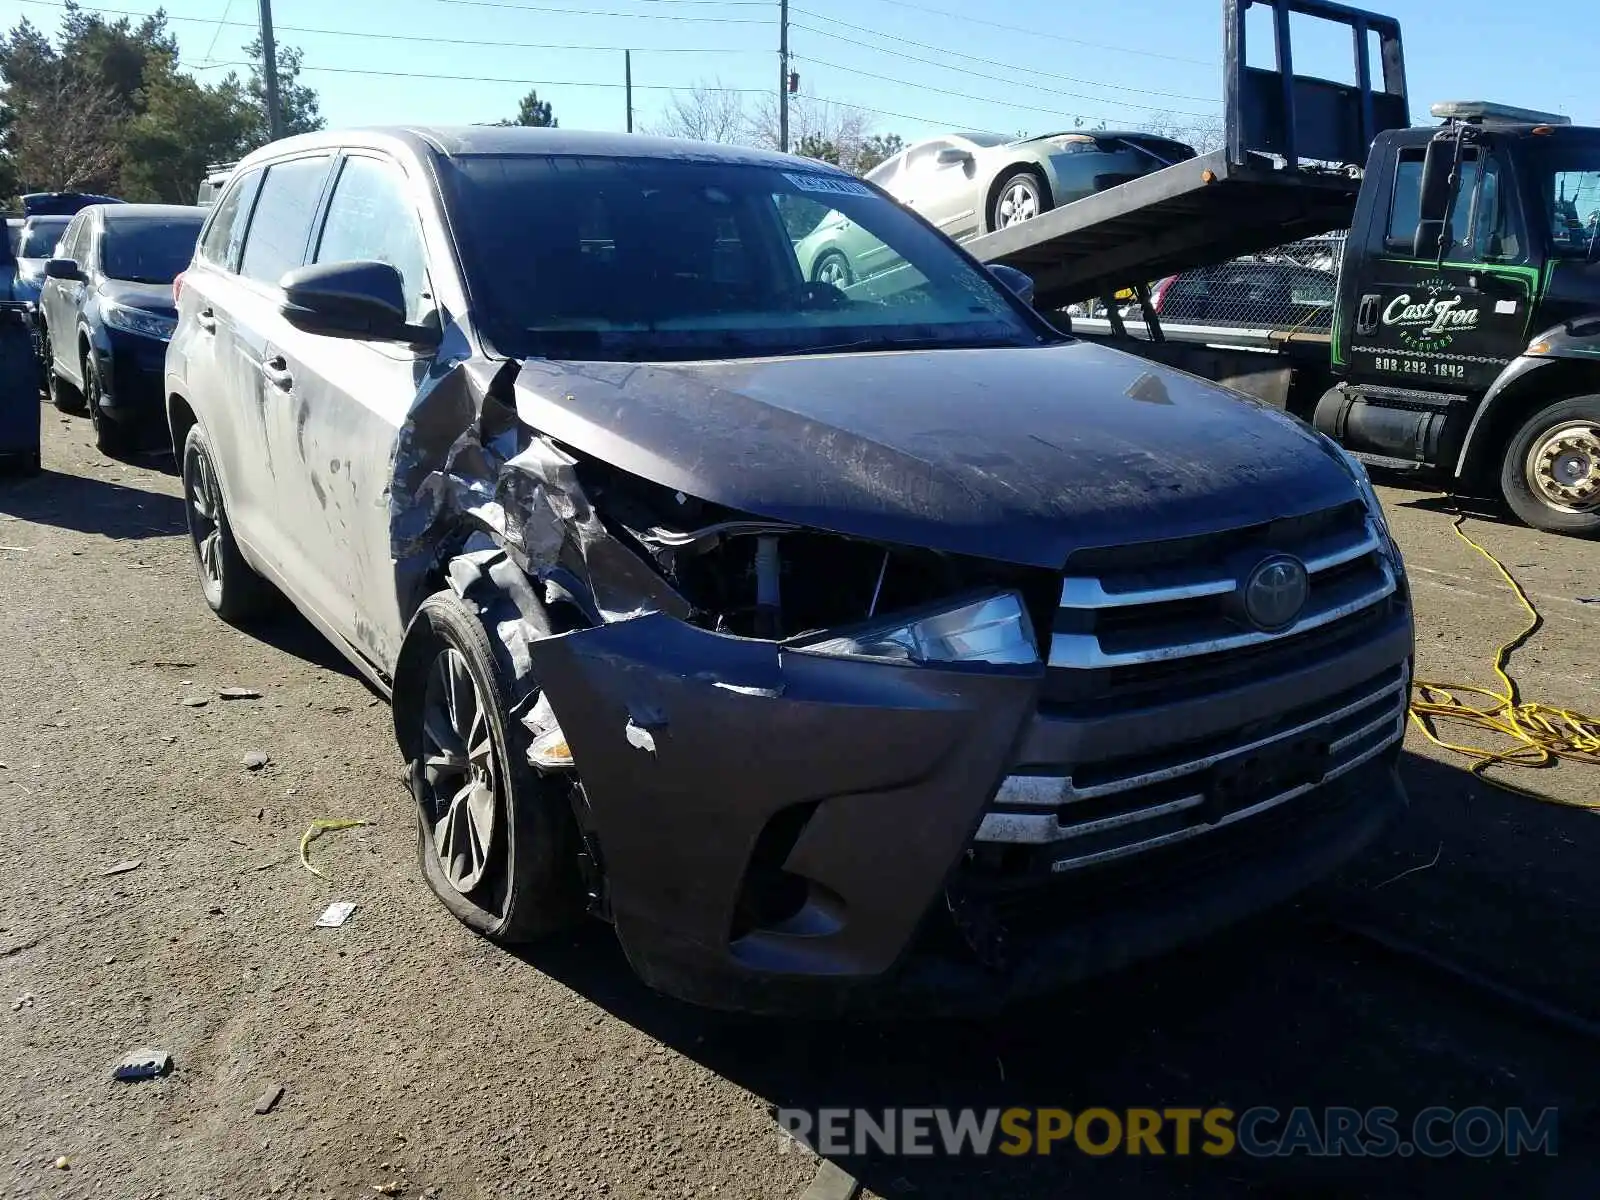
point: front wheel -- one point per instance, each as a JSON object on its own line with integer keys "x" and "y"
{"x": 110, "y": 438}
{"x": 497, "y": 840}
{"x": 1020, "y": 197}
{"x": 832, "y": 267}
{"x": 1550, "y": 475}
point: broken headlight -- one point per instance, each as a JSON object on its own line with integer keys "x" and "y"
{"x": 988, "y": 629}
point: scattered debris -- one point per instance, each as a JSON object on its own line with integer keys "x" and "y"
{"x": 215, "y": 910}
{"x": 196, "y": 701}
{"x": 1433, "y": 862}
{"x": 336, "y": 914}
{"x": 63, "y": 1163}
{"x": 268, "y": 1100}
{"x": 389, "y": 1189}
{"x": 255, "y": 760}
{"x": 319, "y": 827}
{"x": 181, "y": 666}
{"x": 23, "y": 1001}
{"x": 240, "y": 842}
{"x": 1589, "y": 599}
{"x": 146, "y": 1062}
{"x": 238, "y": 693}
{"x": 111, "y": 960}
{"x": 123, "y": 867}
{"x": 18, "y": 549}
{"x": 261, "y": 814}
{"x": 21, "y": 946}
{"x": 168, "y": 738}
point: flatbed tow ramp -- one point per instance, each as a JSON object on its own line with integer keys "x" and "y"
{"x": 1291, "y": 169}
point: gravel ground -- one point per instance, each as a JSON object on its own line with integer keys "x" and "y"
{"x": 416, "y": 1056}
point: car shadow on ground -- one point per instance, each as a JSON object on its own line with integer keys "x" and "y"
{"x": 1287, "y": 1010}
{"x": 283, "y": 628}
{"x": 90, "y": 505}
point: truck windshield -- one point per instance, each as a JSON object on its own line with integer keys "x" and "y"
{"x": 645, "y": 259}
{"x": 1569, "y": 182}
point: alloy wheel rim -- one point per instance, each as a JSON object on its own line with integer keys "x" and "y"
{"x": 205, "y": 516}
{"x": 1018, "y": 204}
{"x": 460, "y": 775}
{"x": 833, "y": 271}
{"x": 1564, "y": 467}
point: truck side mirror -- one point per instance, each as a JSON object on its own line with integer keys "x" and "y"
{"x": 1433, "y": 202}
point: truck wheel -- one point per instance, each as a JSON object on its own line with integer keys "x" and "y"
{"x": 230, "y": 585}
{"x": 1551, "y": 471}
{"x": 496, "y": 839}
{"x": 1020, "y": 197}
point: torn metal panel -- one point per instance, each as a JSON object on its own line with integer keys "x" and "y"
{"x": 465, "y": 469}
{"x": 693, "y": 743}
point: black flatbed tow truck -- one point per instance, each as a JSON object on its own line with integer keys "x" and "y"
{"x": 1465, "y": 342}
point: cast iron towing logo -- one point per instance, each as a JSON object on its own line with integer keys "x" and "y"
{"x": 1429, "y": 316}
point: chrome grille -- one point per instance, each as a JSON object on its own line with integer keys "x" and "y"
{"x": 1105, "y": 811}
{"x": 1156, "y": 614}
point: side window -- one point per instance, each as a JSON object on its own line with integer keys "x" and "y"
{"x": 225, "y": 235}
{"x": 371, "y": 217}
{"x": 1494, "y": 218}
{"x": 1572, "y": 208}
{"x": 1483, "y": 220}
{"x": 276, "y": 240}
{"x": 71, "y": 239}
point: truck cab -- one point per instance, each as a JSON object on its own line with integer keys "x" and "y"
{"x": 1467, "y": 335}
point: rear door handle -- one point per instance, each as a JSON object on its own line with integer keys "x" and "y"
{"x": 207, "y": 320}
{"x": 276, "y": 372}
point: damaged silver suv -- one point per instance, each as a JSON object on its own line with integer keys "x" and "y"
{"x": 842, "y": 646}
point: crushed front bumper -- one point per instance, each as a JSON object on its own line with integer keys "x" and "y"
{"x": 788, "y": 832}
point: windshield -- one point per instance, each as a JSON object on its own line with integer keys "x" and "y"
{"x": 1569, "y": 184}
{"x": 40, "y": 235}
{"x": 607, "y": 258}
{"x": 149, "y": 251}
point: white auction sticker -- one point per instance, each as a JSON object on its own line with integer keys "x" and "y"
{"x": 829, "y": 183}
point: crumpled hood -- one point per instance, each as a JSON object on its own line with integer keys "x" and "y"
{"x": 1022, "y": 455}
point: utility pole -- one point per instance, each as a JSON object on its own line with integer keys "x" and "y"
{"x": 627, "y": 80}
{"x": 783, "y": 75}
{"x": 269, "y": 72}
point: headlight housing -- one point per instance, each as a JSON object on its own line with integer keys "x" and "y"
{"x": 991, "y": 628}
{"x": 137, "y": 320}
{"x": 1369, "y": 497}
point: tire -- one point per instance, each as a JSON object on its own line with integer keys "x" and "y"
{"x": 63, "y": 395}
{"x": 1020, "y": 189}
{"x": 230, "y": 585}
{"x": 110, "y": 438}
{"x": 496, "y": 840}
{"x": 1550, "y": 475}
{"x": 832, "y": 267}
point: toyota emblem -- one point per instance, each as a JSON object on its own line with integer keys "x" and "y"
{"x": 1275, "y": 591}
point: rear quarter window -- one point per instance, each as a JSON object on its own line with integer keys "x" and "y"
{"x": 224, "y": 236}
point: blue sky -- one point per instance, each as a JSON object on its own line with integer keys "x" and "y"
{"x": 1122, "y": 63}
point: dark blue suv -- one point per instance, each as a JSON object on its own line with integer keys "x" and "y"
{"x": 107, "y": 314}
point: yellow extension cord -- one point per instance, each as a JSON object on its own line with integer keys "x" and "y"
{"x": 1542, "y": 735}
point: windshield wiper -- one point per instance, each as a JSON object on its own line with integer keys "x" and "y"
{"x": 889, "y": 343}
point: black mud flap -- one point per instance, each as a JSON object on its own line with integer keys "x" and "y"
{"x": 691, "y": 744}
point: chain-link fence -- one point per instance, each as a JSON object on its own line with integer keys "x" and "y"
{"x": 1289, "y": 287}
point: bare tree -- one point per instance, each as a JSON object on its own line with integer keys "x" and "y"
{"x": 707, "y": 112}
{"x": 821, "y": 129}
{"x": 64, "y": 136}
{"x": 1205, "y": 134}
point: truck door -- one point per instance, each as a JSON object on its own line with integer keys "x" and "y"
{"x": 1451, "y": 325}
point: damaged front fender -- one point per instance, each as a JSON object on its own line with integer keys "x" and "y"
{"x": 769, "y": 816}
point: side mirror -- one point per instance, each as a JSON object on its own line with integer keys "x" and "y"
{"x": 1433, "y": 200}
{"x": 952, "y": 156}
{"x": 1019, "y": 282}
{"x": 64, "y": 268}
{"x": 363, "y": 300}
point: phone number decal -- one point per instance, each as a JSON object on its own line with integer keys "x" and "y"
{"x": 1421, "y": 366}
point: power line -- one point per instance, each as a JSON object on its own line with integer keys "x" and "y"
{"x": 226, "y": 9}
{"x": 969, "y": 73}
{"x": 926, "y": 87}
{"x": 1039, "y": 33}
{"x": 554, "y": 83}
{"x": 581, "y": 12}
{"x": 976, "y": 58}
{"x": 416, "y": 37}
